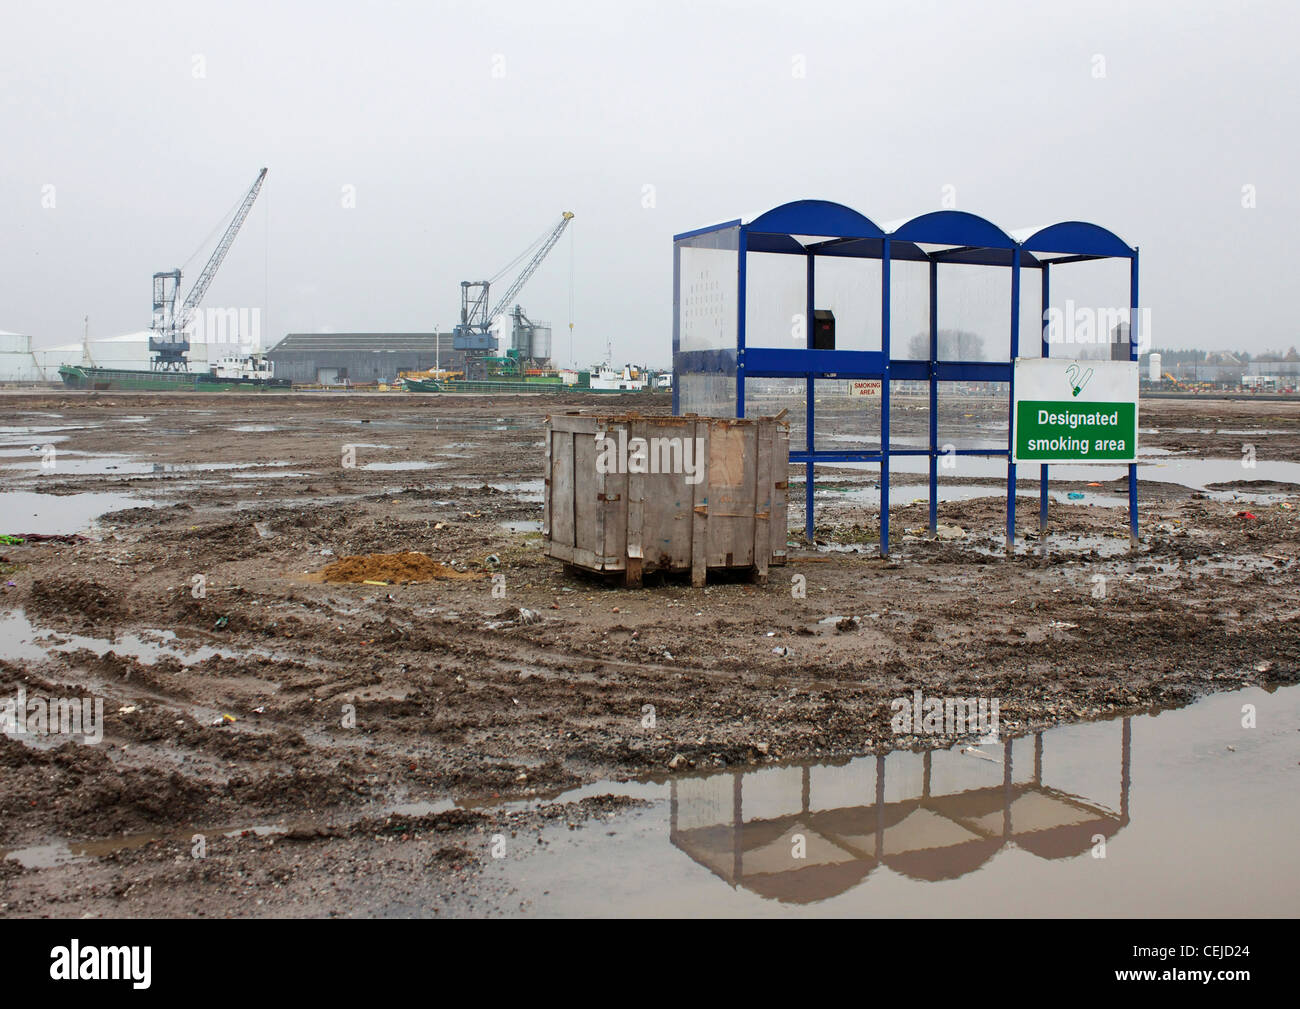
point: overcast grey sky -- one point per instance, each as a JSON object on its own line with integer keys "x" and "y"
{"x": 466, "y": 128}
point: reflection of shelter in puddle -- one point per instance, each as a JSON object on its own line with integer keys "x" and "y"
{"x": 795, "y": 834}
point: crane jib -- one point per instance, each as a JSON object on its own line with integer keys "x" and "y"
{"x": 170, "y": 340}
{"x": 513, "y": 290}
{"x": 201, "y": 285}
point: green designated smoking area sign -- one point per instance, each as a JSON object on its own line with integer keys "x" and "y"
{"x": 1074, "y": 411}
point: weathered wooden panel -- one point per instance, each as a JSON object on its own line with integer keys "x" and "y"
{"x": 700, "y": 518}
{"x": 588, "y": 522}
{"x": 560, "y": 488}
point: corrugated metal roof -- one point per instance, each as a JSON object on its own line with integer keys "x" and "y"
{"x": 373, "y": 342}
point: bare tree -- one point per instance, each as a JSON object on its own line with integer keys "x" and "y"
{"x": 954, "y": 345}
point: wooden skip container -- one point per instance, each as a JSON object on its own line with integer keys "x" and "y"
{"x": 632, "y": 494}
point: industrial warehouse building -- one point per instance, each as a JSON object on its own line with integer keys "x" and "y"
{"x": 360, "y": 358}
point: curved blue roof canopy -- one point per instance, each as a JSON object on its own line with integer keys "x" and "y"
{"x": 815, "y": 217}
{"x": 953, "y": 227}
{"x": 1077, "y": 238}
{"x": 825, "y": 228}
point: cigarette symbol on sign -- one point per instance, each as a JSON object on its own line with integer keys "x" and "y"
{"x": 1077, "y": 383}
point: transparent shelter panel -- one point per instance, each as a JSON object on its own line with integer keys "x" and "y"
{"x": 707, "y": 295}
{"x": 848, "y": 415}
{"x": 766, "y": 397}
{"x": 973, "y": 415}
{"x": 974, "y": 312}
{"x": 1088, "y": 311}
{"x": 909, "y": 415}
{"x": 909, "y": 310}
{"x": 710, "y": 394}
{"x": 776, "y": 301}
{"x": 850, "y": 289}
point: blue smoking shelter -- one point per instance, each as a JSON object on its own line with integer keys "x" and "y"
{"x": 735, "y": 338}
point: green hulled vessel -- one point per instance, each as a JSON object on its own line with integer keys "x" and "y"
{"x": 125, "y": 380}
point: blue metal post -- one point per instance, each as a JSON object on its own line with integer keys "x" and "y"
{"x": 1133, "y": 356}
{"x": 1047, "y": 352}
{"x": 740, "y": 324}
{"x": 884, "y": 399}
{"x": 1011, "y": 395}
{"x": 677, "y": 327}
{"x": 809, "y": 399}
{"x": 934, "y": 396}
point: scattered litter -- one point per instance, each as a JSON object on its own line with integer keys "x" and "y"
{"x": 1074, "y": 495}
{"x": 1246, "y": 515}
{"x": 781, "y": 650}
{"x": 677, "y": 761}
{"x": 221, "y": 624}
{"x": 492, "y": 561}
{"x": 518, "y": 615}
{"x": 14, "y": 541}
{"x": 947, "y": 532}
{"x": 972, "y": 752}
{"x": 263, "y": 530}
{"x": 1063, "y": 625}
{"x": 127, "y": 709}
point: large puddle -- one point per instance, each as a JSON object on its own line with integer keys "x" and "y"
{"x": 21, "y": 640}
{"x": 451, "y": 423}
{"x": 1184, "y": 813}
{"x": 104, "y": 464}
{"x": 1192, "y": 813}
{"x": 59, "y": 514}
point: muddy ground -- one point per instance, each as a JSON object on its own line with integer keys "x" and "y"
{"x": 357, "y": 749}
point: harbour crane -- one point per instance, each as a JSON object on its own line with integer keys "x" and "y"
{"x": 474, "y": 333}
{"x": 169, "y": 337}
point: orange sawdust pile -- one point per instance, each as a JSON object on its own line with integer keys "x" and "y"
{"x": 407, "y": 567}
